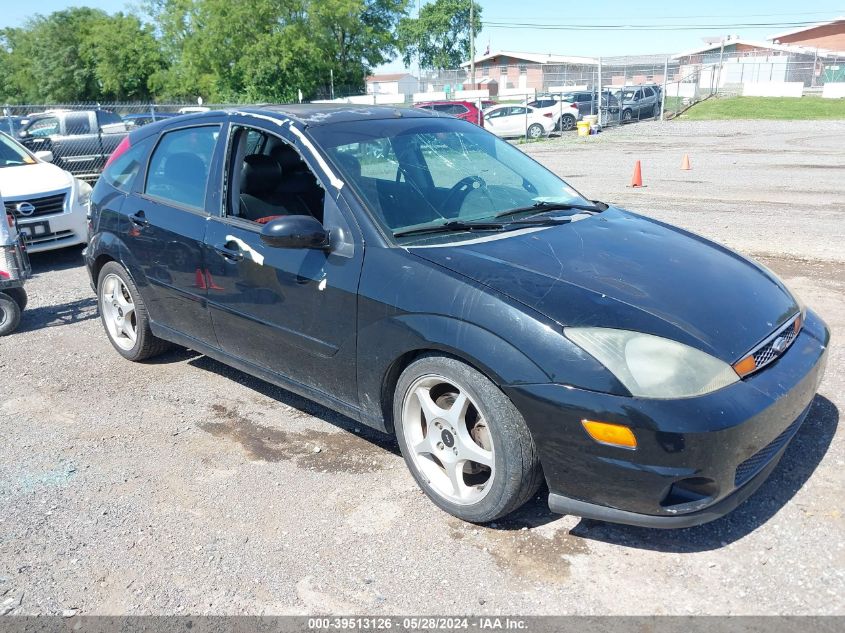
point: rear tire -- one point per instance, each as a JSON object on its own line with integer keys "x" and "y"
{"x": 10, "y": 314}
{"x": 535, "y": 131}
{"x": 124, "y": 315}
{"x": 567, "y": 122}
{"x": 19, "y": 295}
{"x": 463, "y": 440}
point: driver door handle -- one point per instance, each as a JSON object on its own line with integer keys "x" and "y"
{"x": 228, "y": 253}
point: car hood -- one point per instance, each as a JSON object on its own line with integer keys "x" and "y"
{"x": 32, "y": 180}
{"x": 621, "y": 270}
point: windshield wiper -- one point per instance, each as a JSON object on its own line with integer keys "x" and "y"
{"x": 453, "y": 225}
{"x": 544, "y": 206}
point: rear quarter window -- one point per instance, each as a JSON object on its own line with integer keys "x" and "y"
{"x": 123, "y": 170}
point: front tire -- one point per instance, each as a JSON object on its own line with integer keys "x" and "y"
{"x": 124, "y": 315}
{"x": 627, "y": 116}
{"x": 10, "y": 314}
{"x": 463, "y": 440}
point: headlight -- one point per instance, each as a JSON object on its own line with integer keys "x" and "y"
{"x": 651, "y": 366}
{"x": 83, "y": 193}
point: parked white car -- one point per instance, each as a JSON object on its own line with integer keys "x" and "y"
{"x": 517, "y": 120}
{"x": 565, "y": 114}
{"x": 50, "y": 205}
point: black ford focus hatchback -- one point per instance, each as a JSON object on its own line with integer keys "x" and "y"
{"x": 418, "y": 274}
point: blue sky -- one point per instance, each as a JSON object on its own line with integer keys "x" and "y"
{"x": 707, "y": 17}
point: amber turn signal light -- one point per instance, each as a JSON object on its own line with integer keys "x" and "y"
{"x": 610, "y": 434}
{"x": 745, "y": 366}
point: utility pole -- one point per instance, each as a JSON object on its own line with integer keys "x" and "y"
{"x": 472, "y": 43}
{"x": 721, "y": 60}
{"x": 331, "y": 79}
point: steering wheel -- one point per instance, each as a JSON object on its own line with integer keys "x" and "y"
{"x": 460, "y": 191}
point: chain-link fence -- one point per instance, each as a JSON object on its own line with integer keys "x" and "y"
{"x": 518, "y": 100}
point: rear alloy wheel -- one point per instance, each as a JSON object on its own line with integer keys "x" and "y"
{"x": 655, "y": 111}
{"x": 10, "y": 314}
{"x": 463, "y": 440}
{"x": 535, "y": 131}
{"x": 124, "y": 315}
{"x": 567, "y": 122}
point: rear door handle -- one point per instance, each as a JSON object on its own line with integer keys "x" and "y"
{"x": 139, "y": 219}
{"x": 228, "y": 253}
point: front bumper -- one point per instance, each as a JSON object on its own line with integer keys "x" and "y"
{"x": 56, "y": 230}
{"x": 696, "y": 458}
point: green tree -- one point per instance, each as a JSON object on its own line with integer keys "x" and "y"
{"x": 440, "y": 37}
{"x": 80, "y": 54}
{"x": 125, "y": 56}
{"x": 268, "y": 50}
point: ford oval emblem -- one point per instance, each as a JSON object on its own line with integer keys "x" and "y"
{"x": 25, "y": 208}
{"x": 779, "y": 345}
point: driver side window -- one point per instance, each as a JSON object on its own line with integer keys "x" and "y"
{"x": 267, "y": 178}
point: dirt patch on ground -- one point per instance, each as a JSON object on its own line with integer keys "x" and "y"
{"x": 316, "y": 450}
{"x": 532, "y": 554}
{"x": 824, "y": 271}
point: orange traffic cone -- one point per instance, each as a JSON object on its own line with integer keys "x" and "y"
{"x": 685, "y": 163}
{"x": 199, "y": 280}
{"x": 637, "y": 178}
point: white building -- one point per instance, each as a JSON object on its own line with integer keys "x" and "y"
{"x": 395, "y": 84}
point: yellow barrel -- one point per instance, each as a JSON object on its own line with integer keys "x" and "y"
{"x": 583, "y": 128}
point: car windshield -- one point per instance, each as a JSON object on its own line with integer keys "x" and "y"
{"x": 419, "y": 172}
{"x": 12, "y": 154}
{"x": 627, "y": 95}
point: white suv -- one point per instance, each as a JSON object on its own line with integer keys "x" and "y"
{"x": 564, "y": 113}
{"x": 49, "y": 204}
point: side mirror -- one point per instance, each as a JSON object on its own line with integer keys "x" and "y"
{"x": 295, "y": 231}
{"x": 23, "y": 134}
{"x": 44, "y": 155}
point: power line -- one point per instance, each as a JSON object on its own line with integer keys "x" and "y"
{"x": 499, "y": 18}
{"x": 641, "y": 27}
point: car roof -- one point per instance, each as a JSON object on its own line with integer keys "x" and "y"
{"x": 314, "y": 114}
{"x": 444, "y": 102}
{"x": 305, "y": 115}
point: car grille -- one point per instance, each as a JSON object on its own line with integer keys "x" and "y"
{"x": 754, "y": 464}
{"x": 772, "y": 348}
{"x": 46, "y": 205}
{"x": 768, "y": 353}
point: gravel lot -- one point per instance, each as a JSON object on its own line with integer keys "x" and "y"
{"x": 183, "y": 486}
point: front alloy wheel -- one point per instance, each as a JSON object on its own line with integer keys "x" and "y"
{"x": 449, "y": 439}
{"x": 463, "y": 440}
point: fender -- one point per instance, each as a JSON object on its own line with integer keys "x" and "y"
{"x": 107, "y": 243}
{"x": 382, "y": 343}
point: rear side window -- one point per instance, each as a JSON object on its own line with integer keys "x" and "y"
{"x": 180, "y": 165}
{"x": 648, "y": 92}
{"x": 78, "y": 123}
{"x": 121, "y": 172}
{"x": 104, "y": 117}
